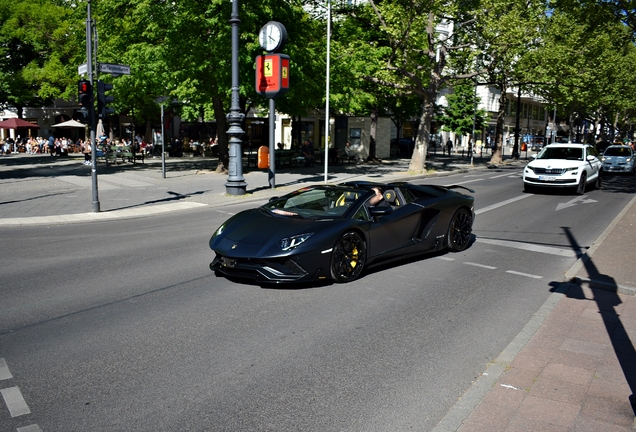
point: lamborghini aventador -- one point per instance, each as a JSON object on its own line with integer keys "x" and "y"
{"x": 336, "y": 231}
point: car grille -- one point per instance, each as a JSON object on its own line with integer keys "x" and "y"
{"x": 554, "y": 171}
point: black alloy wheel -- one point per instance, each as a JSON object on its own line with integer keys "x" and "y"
{"x": 348, "y": 257}
{"x": 580, "y": 189}
{"x": 459, "y": 230}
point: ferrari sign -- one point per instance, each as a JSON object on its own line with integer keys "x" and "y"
{"x": 272, "y": 75}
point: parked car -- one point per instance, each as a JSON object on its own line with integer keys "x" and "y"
{"x": 402, "y": 147}
{"x": 564, "y": 166}
{"x": 334, "y": 232}
{"x": 618, "y": 158}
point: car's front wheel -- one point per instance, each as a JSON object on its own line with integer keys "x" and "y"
{"x": 580, "y": 189}
{"x": 459, "y": 230}
{"x": 348, "y": 257}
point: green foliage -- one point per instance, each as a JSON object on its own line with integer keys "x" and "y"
{"x": 38, "y": 45}
{"x": 460, "y": 115}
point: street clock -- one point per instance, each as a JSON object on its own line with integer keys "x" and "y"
{"x": 272, "y": 36}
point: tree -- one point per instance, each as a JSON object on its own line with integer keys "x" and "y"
{"x": 38, "y": 45}
{"x": 407, "y": 54}
{"x": 461, "y": 115}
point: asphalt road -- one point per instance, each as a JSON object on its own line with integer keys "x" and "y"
{"x": 121, "y": 326}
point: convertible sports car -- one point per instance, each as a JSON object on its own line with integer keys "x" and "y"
{"x": 336, "y": 231}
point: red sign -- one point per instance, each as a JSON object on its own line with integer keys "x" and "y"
{"x": 272, "y": 75}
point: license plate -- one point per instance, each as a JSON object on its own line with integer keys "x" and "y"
{"x": 227, "y": 262}
{"x": 547, "y": 178}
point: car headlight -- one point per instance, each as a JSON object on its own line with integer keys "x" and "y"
{"x": 294, "y": 241}
{"x": 219, "y": 230}
{"x": 531, "y": 168}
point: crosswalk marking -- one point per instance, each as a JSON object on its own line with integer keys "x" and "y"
{"x": 15, "y": 402}
{"x": 4, "y": 370}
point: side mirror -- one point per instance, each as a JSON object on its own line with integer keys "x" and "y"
{"x": 378, "y": 211}
{"x": 591, "y": 158}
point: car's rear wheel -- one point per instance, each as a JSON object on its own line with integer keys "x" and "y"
{"x": 348, "y": 257}
{"x": 459, "y": 230}
{"x": 580, "y": 189}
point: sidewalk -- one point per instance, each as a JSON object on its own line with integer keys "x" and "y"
{"x": 573, "y": 368}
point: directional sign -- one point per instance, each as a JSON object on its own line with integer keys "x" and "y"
{"x": 82, "y": 69}
{"x": 580, "y": 199}
{"x": 114, "y": 69}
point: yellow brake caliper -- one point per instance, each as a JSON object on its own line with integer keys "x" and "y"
{"x": 354, "y": 257}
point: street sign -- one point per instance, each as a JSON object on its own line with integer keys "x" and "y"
{"x": 82, "y": 69}
{"x": 114, "y": 69}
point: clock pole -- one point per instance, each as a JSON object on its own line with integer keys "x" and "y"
{"x": 236, "y": 184}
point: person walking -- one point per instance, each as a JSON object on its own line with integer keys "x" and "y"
{"x": 449, "y": 146}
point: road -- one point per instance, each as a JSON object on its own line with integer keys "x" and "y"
{"x": 121, "y": 326}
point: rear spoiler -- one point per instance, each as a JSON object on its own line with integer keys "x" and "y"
{"x": 459, "y": 187}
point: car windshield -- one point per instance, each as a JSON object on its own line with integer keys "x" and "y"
{"x": 569, "y": 153}
{"x": 618, "y": 151}
{"x": 318, "y": 202}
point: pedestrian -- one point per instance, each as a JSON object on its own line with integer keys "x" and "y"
{"x": 449, "y": 146}
{"x": 52, "y": 145}
{"x": 308, "y": 154}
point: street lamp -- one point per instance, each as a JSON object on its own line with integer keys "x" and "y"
{"x": 236, "y": 184}
{"x": 327, "y": 92}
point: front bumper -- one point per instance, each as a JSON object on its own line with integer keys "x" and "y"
{"x": 275, "y": 270}
{"x": 618, "y": 168}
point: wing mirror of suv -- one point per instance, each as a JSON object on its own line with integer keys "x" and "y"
{"x": 591, "y": 158}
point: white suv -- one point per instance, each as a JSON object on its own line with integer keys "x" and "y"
{"x": 564, "y": 166}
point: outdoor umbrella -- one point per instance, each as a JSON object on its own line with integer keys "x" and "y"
{"x": 70, "y": 124}
{"x": 14, "y": 123}
{"x": 100, "y": 129}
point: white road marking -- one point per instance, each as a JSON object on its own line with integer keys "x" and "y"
{"x": 4, "y": 370}
{"x": 445, "y": 258}
{"x": 502, "y": 203}
{"x": 500, "y": 175}
{"x": 524, "y": 274}
{"x": 30, "y": 428}
{"x": 481, "y": 265}
{"x": 15, "y": 402}
{"x": 464, "y": 182}
{"x": 529, "y": 247}
{"x": 583, "y": 199}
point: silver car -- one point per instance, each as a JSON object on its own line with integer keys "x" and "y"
{"x": 618, "y": 158}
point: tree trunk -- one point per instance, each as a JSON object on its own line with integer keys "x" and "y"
{"x": 373, "y": 133}
{"x": 423, "y": 137}
{"x": 221, "y": 134}
{"x": 497, "y": 157}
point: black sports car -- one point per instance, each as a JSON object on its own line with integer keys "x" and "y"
{"x": 336, "y": 231}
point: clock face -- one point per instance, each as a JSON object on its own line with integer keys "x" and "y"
{"x": 271, "y": 36}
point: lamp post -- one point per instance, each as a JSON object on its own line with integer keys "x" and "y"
{"x": 236, "y": 184}
{"x": 327, "y": 92}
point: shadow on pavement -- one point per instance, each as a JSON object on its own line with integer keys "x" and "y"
{"x": 607, "y": 300}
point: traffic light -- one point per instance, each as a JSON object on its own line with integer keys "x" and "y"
{"x": 102, "y": 100}
{"x": 85, "y": 93}
{"x": 85, "y": 99}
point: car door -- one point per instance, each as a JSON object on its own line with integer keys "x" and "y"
{"x": 594, "y": 163}
{"x": 391, "y": 234}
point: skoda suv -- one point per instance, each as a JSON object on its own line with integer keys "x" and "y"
{"x": 564, "y": 166}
